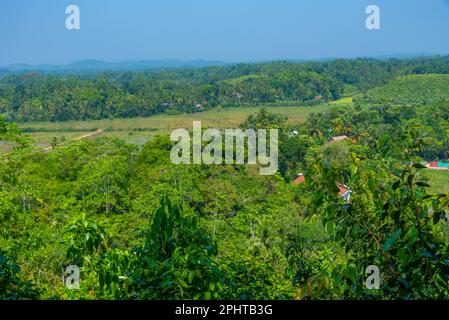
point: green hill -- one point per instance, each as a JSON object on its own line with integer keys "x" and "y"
{"x": 411, "y": 89}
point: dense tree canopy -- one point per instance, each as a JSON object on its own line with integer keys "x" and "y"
{"x": 33, "y": 96}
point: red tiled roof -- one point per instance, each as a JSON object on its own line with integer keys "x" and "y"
{"x": 299, "y": 180}
{"x": 344, "y": 192}
{"x": 342, "y": 189}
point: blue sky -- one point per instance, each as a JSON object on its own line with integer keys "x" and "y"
{"x": 229, "y": 30}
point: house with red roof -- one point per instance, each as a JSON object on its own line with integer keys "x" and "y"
{"x": 300, "y": 179}
{"x": 344, "y": 192}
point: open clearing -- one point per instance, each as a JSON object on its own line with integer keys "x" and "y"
{"x": 343, "y": 101}
{"x": 439, "y": 180}
{"x": 141, "y": 129}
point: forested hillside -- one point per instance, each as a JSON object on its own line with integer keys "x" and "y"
{"x": 38, "y": 97}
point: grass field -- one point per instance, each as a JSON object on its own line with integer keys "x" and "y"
{"x": 140, "y": 130}
{"x": 438, "y": 180}
{"x": 342, "y": 101}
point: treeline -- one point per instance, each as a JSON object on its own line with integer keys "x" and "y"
{"x": 36, "y": 97}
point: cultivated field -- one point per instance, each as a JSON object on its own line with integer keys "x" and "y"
{"x": 140, "y": 130}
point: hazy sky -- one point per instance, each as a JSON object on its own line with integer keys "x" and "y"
{"x": 33, "y": 31}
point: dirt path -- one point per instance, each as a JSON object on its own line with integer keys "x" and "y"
{"x": 78, "y": 138}
{"x": 88, "y": 135}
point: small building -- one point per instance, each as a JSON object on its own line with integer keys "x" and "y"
{"x": 199, "y": 107}
{"x": 338, "y": 138}
{"x": 438, "y": 165}
{"x": 344, "y": 192}
{"x": 318, "y": 98}
{"x": 300, "y": 179}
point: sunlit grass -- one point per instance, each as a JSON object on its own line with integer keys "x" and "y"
{"x": 342, "y": 101}
{"x": 141, "y": 129}
{"x": 438, "y": 180}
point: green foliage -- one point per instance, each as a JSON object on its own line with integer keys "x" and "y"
{"x": 11, "y": 286}
{"x": 34, "y": 97}
{"x": 391, "y": 222}
{"x": 176, "y": 261}
{"x": 411, "y": 89}
{"x": 311, "y": 269}
{"x": 103, "y": 185}
{"x": 149, "y": 229}
{"x": 265, "y": 120}
{"x": 11, "y": 132}
{"x": 248, "y": 278}
{"x": 86, "y": 238}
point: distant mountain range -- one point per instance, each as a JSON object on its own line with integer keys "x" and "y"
{"x": 99, "y": 66}
{"x": 85, "y": 66}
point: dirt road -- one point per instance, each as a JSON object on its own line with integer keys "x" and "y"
{"x": 77, "y": 138}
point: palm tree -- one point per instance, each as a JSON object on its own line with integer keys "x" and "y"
{"x": 337, "y": 126}
{"x": 313, "y": 125}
